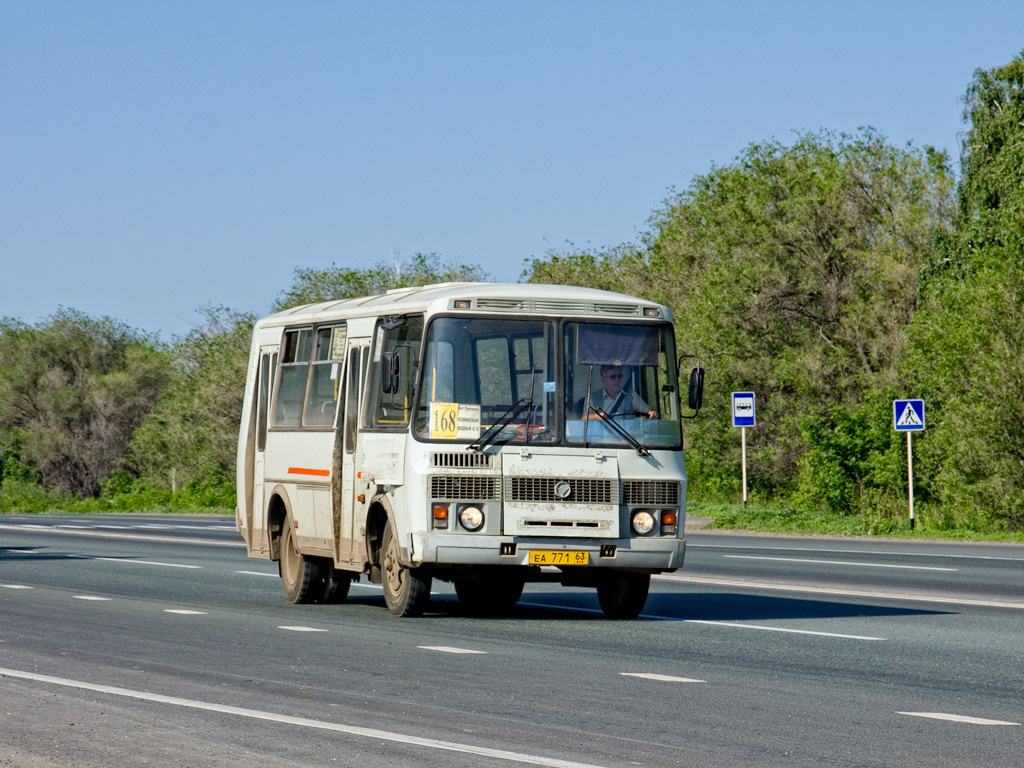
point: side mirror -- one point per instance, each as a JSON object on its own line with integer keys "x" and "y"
{"x": 695, "y": 399}
{"x": 695, "y": 396}
{"x": 390, "y": 372}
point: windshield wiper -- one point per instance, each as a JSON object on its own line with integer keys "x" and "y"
{"x": 494, "y": 430}
{"x": 610, "y": 420}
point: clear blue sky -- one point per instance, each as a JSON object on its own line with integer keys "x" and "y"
{"x": 159, "y": 156}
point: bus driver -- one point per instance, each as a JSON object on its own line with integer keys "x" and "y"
{"x": 614, "y": 399}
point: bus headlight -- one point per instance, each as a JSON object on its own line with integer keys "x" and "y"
{"x": 471, "y": 518}
{"x": 643, "y": 522}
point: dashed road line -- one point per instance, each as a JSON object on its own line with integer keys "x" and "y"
{"x": 185, "y": 612}
{"x": 449, "y": 649}
{"x": 302, "y": 629}
{"x": 93, "y": 598}
{"x": 761, "y": 627}
{"x": 957, "y": 718}
{"x": 661, "y": 678}
{"x": 16, "y": 586}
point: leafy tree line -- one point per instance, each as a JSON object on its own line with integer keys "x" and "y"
{"x": 92, "y": 409}
{"x": 830, "y": 275}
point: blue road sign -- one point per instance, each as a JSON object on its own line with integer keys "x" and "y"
{"x": 743, "y": 409}
{"x": 908, "y": 415}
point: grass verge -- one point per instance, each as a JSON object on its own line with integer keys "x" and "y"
{"x": 779, "y": 518}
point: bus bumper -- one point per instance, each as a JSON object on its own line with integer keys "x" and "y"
{"x": 654, "y": 554}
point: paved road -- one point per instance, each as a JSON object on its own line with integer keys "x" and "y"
{"x": 139, "y": 640}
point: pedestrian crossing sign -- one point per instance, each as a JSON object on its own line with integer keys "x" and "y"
{"x": 908, "y": 415}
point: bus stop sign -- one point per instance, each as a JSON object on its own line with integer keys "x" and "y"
{"x": 743, "y": 409}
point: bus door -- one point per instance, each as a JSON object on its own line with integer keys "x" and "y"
{"x": 353, "y": 488}
{"x": 268, "y": 362}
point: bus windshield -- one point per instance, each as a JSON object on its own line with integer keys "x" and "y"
{"x": 496, "y": 380}
{"x": 483, "y": 373}
{"x": 621, "y": 383}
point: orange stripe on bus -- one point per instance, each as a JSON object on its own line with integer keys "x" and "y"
{"x": 305, "y": 471}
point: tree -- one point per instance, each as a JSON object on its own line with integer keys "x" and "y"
{"x": 74, "y": 388}
{"x": 967, "y": 343}
{"x": 793, "y": 271}
{"x": 191, "y": 435}
{"x": 311, "y": 285}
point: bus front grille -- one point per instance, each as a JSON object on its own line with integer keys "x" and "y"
{"x": 561, "y": 490}
{"x": 461, "y": 460}
{"x": 456, "y": 488}
{"x": 656, "y": 492}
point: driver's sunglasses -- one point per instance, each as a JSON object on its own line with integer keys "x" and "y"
{"x": 613, "y": 375}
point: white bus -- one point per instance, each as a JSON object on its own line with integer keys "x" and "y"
{"x": 483, "y": 434}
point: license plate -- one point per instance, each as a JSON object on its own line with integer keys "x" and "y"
{"x": 558, "y": 557}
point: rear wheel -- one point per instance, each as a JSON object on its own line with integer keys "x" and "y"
{"x": 406, "y": 590}
{"x": 489, "y": 595}
{"x": 622, "y": 594}
{"x": 303, "y": 577}
{"x": 336, "y": 584}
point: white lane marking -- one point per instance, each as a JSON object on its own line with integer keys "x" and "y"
{"x": 255, "y": 714}
{"x": 20, "y": 551}
{"x": 184, "y": 612}
{"x": 112, "y": 535}
{"x": 93, "y": 597}
{"x": 957, "y": 718}
{"x": 837, "y": 562}
{"x": 302, "y": 629}
{"x": 745, "y": 584}
{"x": 661, "y": 678}
{"x": 779, "y": 629}
{"x": 448, "y": 649}
{"x": 258, "y": 573}
{"x": 810, "y": 550}
{"x": 715, "y": 623}
{"x": 139, "y": 562}
{"x": 371, "y": 586}
{"x": 16, "y": 586}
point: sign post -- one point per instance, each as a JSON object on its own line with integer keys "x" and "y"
{"x": 908, "y": 416}
{"x": 743, "y": 416}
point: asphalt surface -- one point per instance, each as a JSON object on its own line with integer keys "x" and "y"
{"x": 153, "y": 640}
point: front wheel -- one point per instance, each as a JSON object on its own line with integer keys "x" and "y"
{"x": 622, "y": 594}
{"x": 406, "y": 590}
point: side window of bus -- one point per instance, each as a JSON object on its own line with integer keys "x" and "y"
{"x": 262, "y": 406}
{"x": 396, "y": 353}
{"x": 325, "y": 383}
{"x": 294, "y": 370}
{"x": 352, "y": 402}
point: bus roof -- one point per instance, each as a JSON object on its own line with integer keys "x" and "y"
{"x": 506, "y": 298}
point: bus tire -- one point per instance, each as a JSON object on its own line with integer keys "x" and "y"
{"x": 406, "y": 590}
{"x": 622, "y": 594}
{"x": 301, "y": 576}
{"x": 494, "y": 596}
{"x": 336, "y": 584}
